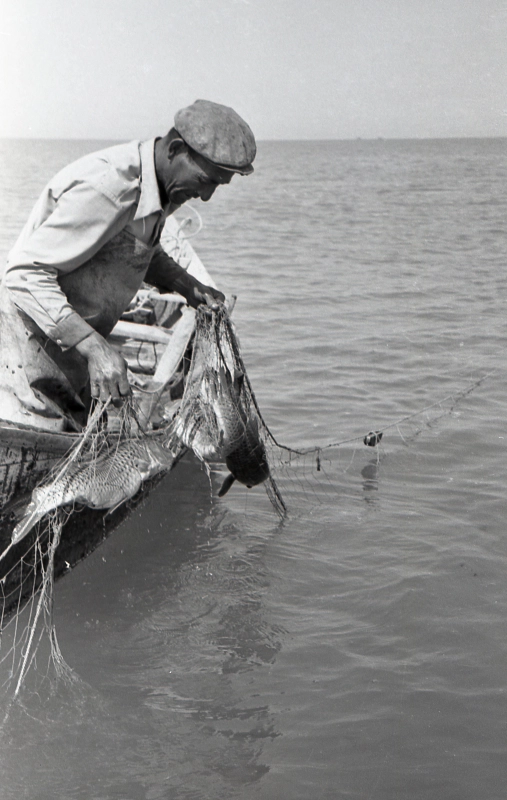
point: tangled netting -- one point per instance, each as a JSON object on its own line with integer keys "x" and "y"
{"x": 21, "y": 632}
{"x": 220, "y": 420}
{"x": 103, "y": 470}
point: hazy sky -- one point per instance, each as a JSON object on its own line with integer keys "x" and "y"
{"x": 295, "y": 69}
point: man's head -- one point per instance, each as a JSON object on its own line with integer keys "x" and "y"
{"x": 218, "y": 134}
{"x": 208, "y": 144}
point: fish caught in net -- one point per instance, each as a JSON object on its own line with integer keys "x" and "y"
{"x": 102, "y": 479}
{"x": 102, "y": 471}
{"x": 218, "y": 417}
{"x": 220, "y": 420}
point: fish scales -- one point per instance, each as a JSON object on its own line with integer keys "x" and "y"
{"x": 217, "y": 418}
{"x": 214, "y": 423}
{"x": 217, "y": 426}
{"x": 105, "y": 482}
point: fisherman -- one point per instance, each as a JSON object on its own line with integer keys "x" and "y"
{"x": 90, "y": 241}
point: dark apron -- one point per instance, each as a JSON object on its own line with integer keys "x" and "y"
{"x": 42, "y": 385}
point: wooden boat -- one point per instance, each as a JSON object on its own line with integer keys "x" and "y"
{"x": 155, "y": 338}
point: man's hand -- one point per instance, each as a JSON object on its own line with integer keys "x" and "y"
{"x": 107, "y": 368}
{"x": 199, "y": 293}
{"x": 168, "y": 276}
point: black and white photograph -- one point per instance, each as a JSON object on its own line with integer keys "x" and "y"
{"x": 253, "y": 414}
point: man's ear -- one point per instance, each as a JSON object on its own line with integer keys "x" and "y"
{"x": 176, "y": 146}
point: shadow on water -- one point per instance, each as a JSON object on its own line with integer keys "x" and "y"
{"x": 165, "y": 626}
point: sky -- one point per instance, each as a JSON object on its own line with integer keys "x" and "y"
{"x": 294, "y": 69}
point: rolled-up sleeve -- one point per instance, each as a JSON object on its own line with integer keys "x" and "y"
{"x": 82, "y": 220}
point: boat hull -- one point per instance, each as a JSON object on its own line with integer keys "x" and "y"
{"x": 83, "y": 531}
{"x": 26, "y": 456}
{"x": 155, "y": 354}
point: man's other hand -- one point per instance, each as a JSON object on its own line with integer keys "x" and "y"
{"x": 199, "y": 293}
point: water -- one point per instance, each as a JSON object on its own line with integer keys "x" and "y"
{"x": 359, "y": 649}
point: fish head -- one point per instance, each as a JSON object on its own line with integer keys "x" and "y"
{"x": 248, "y": 467}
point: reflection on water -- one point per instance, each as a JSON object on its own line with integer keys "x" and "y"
{"x": 370, "y": 474}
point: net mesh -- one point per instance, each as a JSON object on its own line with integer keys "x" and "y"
{"x": 219, "y": 418}
{"x": 23, "y": 630}
{"x": 102, "y": 470}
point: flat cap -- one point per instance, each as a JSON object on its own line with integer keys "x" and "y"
{"x": 218, "y": 134}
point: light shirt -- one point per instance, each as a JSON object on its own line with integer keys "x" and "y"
{"x": 82, "y": 208}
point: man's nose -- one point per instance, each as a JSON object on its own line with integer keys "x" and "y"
{"x": 206, "y": 194}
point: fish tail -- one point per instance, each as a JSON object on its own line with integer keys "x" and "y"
{"x": 239, "y": 379}
{"x": 31, "y": 517}
{"x": 226, "y": 485}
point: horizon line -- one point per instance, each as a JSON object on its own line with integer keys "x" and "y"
{"x": 327, "y": 139}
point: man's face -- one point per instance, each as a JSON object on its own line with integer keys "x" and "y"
{"x": 189, "y": 176}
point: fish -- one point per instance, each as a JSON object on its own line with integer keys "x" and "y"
{"x": 213, "y": 424}
{"x": 104, "y": 482}
{"x": 230, "y": 414}
{"x": 248, "y": 462}
{"x": 221, "y": 429}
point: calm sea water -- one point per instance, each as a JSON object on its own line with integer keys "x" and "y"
{"x": 359, "y": 649}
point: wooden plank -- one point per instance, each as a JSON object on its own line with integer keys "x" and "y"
{"x": 168, "y": 364}
{"x": 182, "y": 251}
{"x": 141, "y": 333}
{"x": 35, "y": 439}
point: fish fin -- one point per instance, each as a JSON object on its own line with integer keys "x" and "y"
{"x": 226, "y": 485}
{"x": 144, "y": 467}
{"x": 252, "y": 427}
{"x": 239, "y": 379}
{"x": 113, "y": 508}
{"x": 224, "y": 379}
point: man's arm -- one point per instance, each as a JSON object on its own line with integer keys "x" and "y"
{"x": 81, "y": 222}
{"x": 168, "y": 276}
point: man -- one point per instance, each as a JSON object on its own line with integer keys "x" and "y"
{"x": 91, "y": 240}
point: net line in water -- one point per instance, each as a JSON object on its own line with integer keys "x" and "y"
{"x": 310, "y": 473}
{"x": 441, "y": 408}
{"x": 22, "y": 630}
{"x": 219, "y": 417}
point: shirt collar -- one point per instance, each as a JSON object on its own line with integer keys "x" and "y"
{"x": 149, "y": 201}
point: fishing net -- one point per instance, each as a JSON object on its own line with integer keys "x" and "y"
{"x": 105, "y": 469}
{"x": 21, "y": 632}
{"x": 218, "y": 418}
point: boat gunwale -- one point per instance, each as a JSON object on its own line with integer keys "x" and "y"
{"x": 17, "y": 435}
